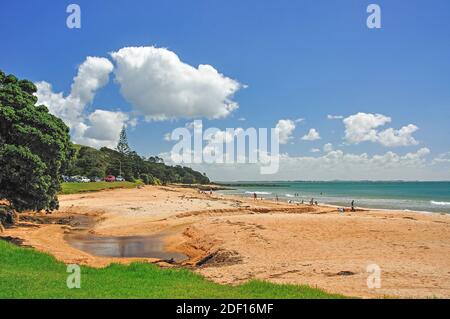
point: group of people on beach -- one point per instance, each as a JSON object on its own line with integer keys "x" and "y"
{"x": 255, "y": 197}
{"x": 312, "y": 202}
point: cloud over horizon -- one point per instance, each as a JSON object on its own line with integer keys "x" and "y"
{"x": 335, "y": 164}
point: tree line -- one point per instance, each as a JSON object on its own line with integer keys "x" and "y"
{"x": 92, "y": 163}
{"x": 35, "y": 151}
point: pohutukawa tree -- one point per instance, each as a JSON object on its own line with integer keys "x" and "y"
{"x": 35, "y": 148}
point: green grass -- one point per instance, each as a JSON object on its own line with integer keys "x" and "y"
{"x": 74, "y": 188}
{"x": 26, "y": 273}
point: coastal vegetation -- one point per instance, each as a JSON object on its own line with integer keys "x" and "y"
{"x": 35, "y": 148}
{"x": 91, "y": 162}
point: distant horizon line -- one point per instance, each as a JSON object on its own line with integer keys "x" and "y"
{"x": 335, "y": 180}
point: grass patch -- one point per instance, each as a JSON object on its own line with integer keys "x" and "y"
{"x": 26, "y": 273}
{"x": 74, "y": 188}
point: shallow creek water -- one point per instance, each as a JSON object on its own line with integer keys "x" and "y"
{"x": 130, "y": 246}
{"x": 122, "y": 246}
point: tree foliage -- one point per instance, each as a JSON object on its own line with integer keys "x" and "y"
{"x": 91, "y": 162}
{"x": 122, "y": 145}
{"x": 35, "y": 148}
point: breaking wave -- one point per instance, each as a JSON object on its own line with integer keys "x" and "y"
{"x": 440, "y": 203}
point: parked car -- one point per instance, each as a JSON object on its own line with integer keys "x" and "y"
{"x": 69, "y": 179}
{"x": 96, "y": 179}
{"x": 120, "y": 179}
{"x": 110, "y": 178}
{"x": 84, "y": 179}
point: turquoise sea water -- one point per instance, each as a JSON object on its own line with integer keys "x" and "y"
{"x": 415, "y": 196}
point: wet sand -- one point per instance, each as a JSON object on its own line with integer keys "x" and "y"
{"x": 232, "y": 240}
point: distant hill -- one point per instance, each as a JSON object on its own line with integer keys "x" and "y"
{"x": 91, "y": 162}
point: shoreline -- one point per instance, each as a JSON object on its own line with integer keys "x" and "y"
{"x": 363, "y": 208}
{"x": 231, "y": 239}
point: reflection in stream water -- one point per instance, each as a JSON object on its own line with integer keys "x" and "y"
{"x": 131, "y": 246}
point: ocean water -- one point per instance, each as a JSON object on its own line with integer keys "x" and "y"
{"x": 414, "y": 196}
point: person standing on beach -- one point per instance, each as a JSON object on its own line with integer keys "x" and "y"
{"x": 276, "y": 196}
{"x": 311, "y": 202}
{"x": 255, "y": 196}
{"x": 353, "y": 205}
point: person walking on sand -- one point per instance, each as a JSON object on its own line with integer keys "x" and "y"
{"x": 353, "y": 206}
{"x": 311, "y": 202}
{"x": 255, "y": 196}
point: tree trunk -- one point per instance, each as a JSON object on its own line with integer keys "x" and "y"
{"x": 8, "y": 217}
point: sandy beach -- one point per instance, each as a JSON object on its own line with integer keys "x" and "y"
{"x": 232, "y": 239}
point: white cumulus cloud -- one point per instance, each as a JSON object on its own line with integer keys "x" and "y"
{"x": 362, "y": 127}
{"x": 97, "y": 129}
{"x": 103, "y": 128}
{"x": 312, "y": 135}
{"x": 160, "y": 86}
{"x": 401, "y": 137}
{"x": 285, "y": 129}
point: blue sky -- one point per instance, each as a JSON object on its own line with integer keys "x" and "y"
{"x": 299, "y": 59}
